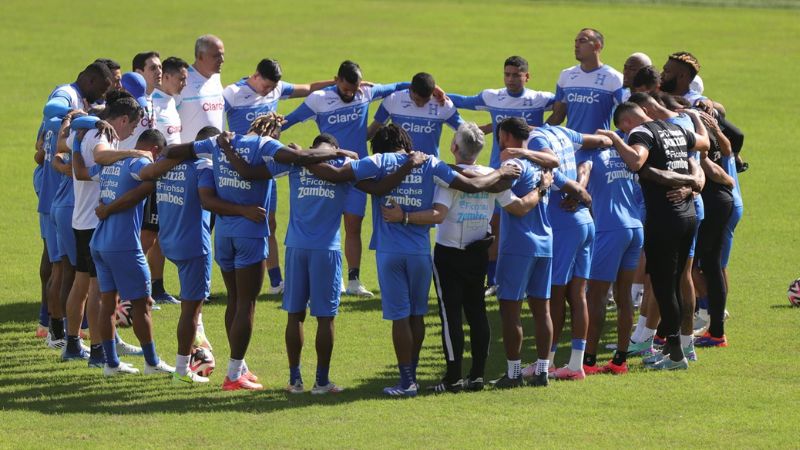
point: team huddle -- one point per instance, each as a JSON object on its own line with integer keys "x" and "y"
{"x": 137, "y": 168}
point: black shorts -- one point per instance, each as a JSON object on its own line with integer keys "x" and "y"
{"x": 84, "y": 262}
{"x": 150, "y": 216}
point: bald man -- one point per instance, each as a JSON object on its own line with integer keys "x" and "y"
{"x": 632, "y": 65}
{"x": 201, "y": 103}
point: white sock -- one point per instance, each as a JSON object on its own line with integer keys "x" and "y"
{"x": 514, "y": 368}
{"x": 640, "y": 325}
{"x": 200, "y": 328}
{"x": 235, "y": 369}
{"x": 576, "y": 359}
{"x": 182, "y": 364}
{"x": 245, "y": 369}
{"x": 648, "y": 333}
{"x": 636, "y": 289}
{"x": 686, "y": 340}
{"x": 551, "y": 356}
{"x": 542, "y": 366}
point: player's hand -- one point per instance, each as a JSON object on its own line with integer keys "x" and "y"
{"x": 254, "y": 213}
{"x": 342, "y": 153}
{"x": 224, "y": 141}
{"x": 393, "y": 214}
{"x": 609, "y": 134}
{"x": 105, "y": 129}
{"x": 678, "y": 195}
{"x": 509, "y": 171}
{"x": 417, "y": 158}
{"x": 440, "y": 95}
{"x": 101, "y": 211}
{"x": 569, "y": 204}
{"x": 547, "y": 179}
{"x": 294, "y": 146}
{"x": 606, "y": 141}
{"x": 710, "y": 122}
{"x": 512, "y": 153}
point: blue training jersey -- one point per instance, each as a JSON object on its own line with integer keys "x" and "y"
{"x": 315, "y": 207}
{"x": 613, "y": 187}
{"x": 684, "y": 121}
{"x": 183, "y": 223}
{"x": 51, "y": 178}
{"x": 564, "y": 143}
{"x": 415, "y": 193}
{"x": 729, "y": 163}
{"x": 233, "y": 188}
{"x": 65, "y": 195}
{"x": 590, "y": 96}
{"x": 423, "y": 123}
{"x": 120, "y": 231}
{"x": 529, "y": 235}
{"x": 243, "y": 105}
{"x": 501, "y": 104}
{"x": 346, "y": 121}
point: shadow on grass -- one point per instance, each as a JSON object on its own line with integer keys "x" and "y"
{"x": 784, "y": 306}
{"x": 19, "y": 312}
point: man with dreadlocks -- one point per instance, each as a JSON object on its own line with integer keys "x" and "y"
{"x": 240, "y": 245}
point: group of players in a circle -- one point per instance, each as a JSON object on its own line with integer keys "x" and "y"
{"x": 563, "y": 214}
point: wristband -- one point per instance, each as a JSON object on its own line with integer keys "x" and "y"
{"x": 405, "y": 218}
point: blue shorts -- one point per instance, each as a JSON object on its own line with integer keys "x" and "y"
{"x": 727, "y": 235}
{"x": 519, "y": 277}
{"x": 51, "y": 238}
{"x": 125, "y": 272}
{"x": 237, "y": 253}
{"x": 313, "y": 277}
{"x": 694, "y": 239}
{"x": 195, "y": 277}
{"x": 64, "y": 234}
{"x": 616, "y": 250}
{"x": 356, "y": 202}
{"x": 405, "y": 281}
{"x": 42, "y": 225}
{"x": 572, "y": 253}
{"x": 273, "y": 197}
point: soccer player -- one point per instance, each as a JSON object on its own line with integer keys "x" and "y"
{"x": 587, "y": 93}
{"x": 403, "y": 247}
{"x": 117, "y": 248}
{"x": 341, "y": 111}
{"x": 201, "y": 103}
{"x": 459, "y": 260}
{"x": 166, "y": 119}
{"x": 416, "y": 111}
{"x": 632, "y": 65}
{"x": 116, "y": 73}
{"x": 240, "y": 247}
{"x": 669, "y": 227}
{"x": 252, "y": 97}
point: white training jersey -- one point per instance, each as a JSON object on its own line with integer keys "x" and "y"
{"x": 165, "y": 116}
{"x": 590, "y": 96}
{"x": 145, "y": 123}
{"x": 469, "y": 214}
{"x": 200, "y": 104}
{"x": 87, "y": 193}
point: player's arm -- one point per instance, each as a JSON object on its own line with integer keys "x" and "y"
{"x": 211, "y": 202}
{"x": 712, "y": 126}
{"x": 104, "y": 155}
{"x": 384, "y": 90}
{"x": 157, "y": 169}
{"x": 634, "y": 155}
{"x": 559, "y": 113}
{"x": 180, "y": 151}
{"x": 379, "y": 119}
{"x": 302, "y": 90}
{"x": 391, "y": 181}
{"x": 472, "y": 102}
{"x": 522, "y": 206}
{"x": 500, "y": 186}
{"x": 59, "y": 165}
{"x": 669, "y": 178}
{"x": 433, "y": 216}
{"x": 595, "y": 141}
{"x": 127, "y": 201}
{"x": 485, "y": 182}
{"x": 701, "y": 142}
{"x": 79, "y": 167}
{"x": 545, "y": 157}
{"x": 300, "y": 114}
{"x": 716, "y": 173}
{"x": 487, "y": 129}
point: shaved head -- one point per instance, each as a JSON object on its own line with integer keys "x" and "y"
{"x": 632, "y": 65}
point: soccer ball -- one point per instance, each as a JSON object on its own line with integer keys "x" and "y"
{"x": 201, "y": 362}
{"x": 794, "y": 293}
{"x": 124, "y": 318}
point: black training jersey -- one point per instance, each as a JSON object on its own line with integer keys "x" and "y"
{"x": 668, "y": 146}
{"x": 714, "y": 192}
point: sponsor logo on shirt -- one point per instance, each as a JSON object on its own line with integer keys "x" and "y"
{"x": 333, "y": 119}
{"x": 574, "y": 97}
{"x": 214, "y": 106}
{"x": 426, "y": 128}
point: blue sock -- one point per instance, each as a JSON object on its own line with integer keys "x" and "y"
{"x": 110, "y": 349}
{"x": 96, "y": 353}
{"x": 702, "y": 303}
{"x": 44, "y": 316}
{"x": 85, "y": 322}
{"x": 294, "y": 374}
{"x": 491, "y": 269}
{"x": 322, "y": 376}
{"x": 414, "y": 364}
{"x": 116, "y": 337}
{"x": 150, "y": 355}
{"x": 73, "y": 344}
{"x": 274, "y": 276}
{"x": 579, "y": 344}
{"x": 406, "y": 375}
{"x": 554, "y": 347}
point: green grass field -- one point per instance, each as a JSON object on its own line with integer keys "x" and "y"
{"x": 744, "y": 396}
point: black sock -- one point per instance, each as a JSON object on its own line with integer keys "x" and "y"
{"x": 674, "y": 345}
{"x": 589, "y": 359}
{"x": 57, "y": 328}
{"x": 158, "y": 286}
{"x": 619, "y": 358}
{"x": 73, "y": 344}
{"x": 96, "y": 352}
{"x": 453, "y": 373}
{"x": 353, "y": 274}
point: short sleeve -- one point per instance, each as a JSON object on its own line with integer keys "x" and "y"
{"x": 538, "y": 143}
{"x": 205, "y": 174}
{"x": 691, "y": 139}
{"x": 443, "y": 196}
{"x": 559, "y": 179}
{"x": 94, "y": 172}
{"x": 205, "y": 148}
{"x": 559, "y": 94}
{"x": 278, "y": 169}
{"x": 641, "y": 136}
{"x": 505, "y": 198}
{"x": 365, "y": 168}
{"x": 287, "y": 89}
{"x": 443, "y": 175}
{"x": 382, "y": 115}
{"x": 136, "y": 166}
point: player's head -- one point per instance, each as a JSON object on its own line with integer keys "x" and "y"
{"x": 267, "y": 125}
{"x": 679, "y": 71}
{"x": 94, "y": 81}
{"x": 206, "y": 132}
{"x": 512, "y": 132}
{"x": 628, "y": 116}
{"x": 209, "y": 54}
{"x": 467, "y": 143}
{"x": 588, "y": 44}
{"x": 153, "y": 141}
{"x": 148, "y": 64}
{"x": 176, "y": 71}
{"x": 632, "y": 65}
{"x": 268, "y": 74}
{"x": 515, "y": 73}
{"x": 325, "y": 140}
{"x": 123, "y": 112}
{"x": 422, "y": 86}
{"x": 647, "y": 79}
{"x": 647, "y": 102}
{"x": 348, "y": 79}
{"x": 391, "y": 138}
{"x": 116, "y": 71}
